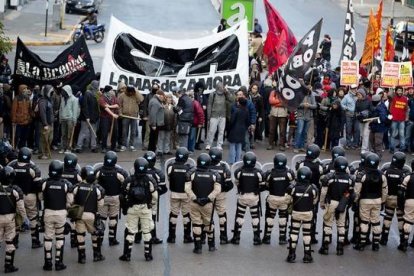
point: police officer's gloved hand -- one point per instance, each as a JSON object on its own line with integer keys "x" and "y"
{"x": 162, "y": 189}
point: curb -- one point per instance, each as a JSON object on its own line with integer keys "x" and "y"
{"x": 65, "y": 41}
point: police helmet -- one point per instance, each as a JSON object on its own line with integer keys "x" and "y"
{"x": 88, "y": 174}
{"x": 55, "y": 169}
{"x": 398, "y": 159}
{"x": 337, "y": 151}
{"x": 110, "y": 159}
{"x": 313, "y": 151}
{"x": 340, "y": 164}
{"x": 364, "y": 156}
{"x": 24, "y": 155}
{"x": 215, "y": 154}
{"x": 280, "y": 161}
{"x": 203, "y": 161}
{"x": 181, "y": 155}
{"x": 372, "y": 161}
{"x": 70, "y": 161}
{"x": 7, "y": 175}
{"x": 151, "y": 157}
{"x": 141, "y": 165}
{"x": 249, "y": 159}
{"x": 304, "y": 174}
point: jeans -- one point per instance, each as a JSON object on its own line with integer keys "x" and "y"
{"x": 126, "y": 125}
{"x": 192, "y": 139}
{"x": 397, "y": 131}
{"x": 214, "y": 124}
{"x": 164, "y": 140}
{"x": 364, "y": 128}
{"x": 301, "y": 132}
{"x": 235, "y": 152}
{"x": 21, "y": 135}
{"x": 408, "y": 135}
{"x": 352, "y": 131}
{"x": 85, "y": 133}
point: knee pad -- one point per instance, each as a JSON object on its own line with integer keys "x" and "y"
{"x": 222, "y": 219}
{"x": 197, "y": 229}
{"x": 173, "y": 218}
{"x": 240, "y": 221}
{"x": 60, "y": 242}
{"x": 186, "y": 218}
{"x": 255, "y": 221}
{"x": 146, "y": 237}
{"x": 113, "y": 221}
{"x": 270, "y": 221}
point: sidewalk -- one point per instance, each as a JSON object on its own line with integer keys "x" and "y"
{"x": 29, "y": 24}
{"x": 363, "y": 10}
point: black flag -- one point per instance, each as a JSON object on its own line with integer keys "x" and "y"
{"x": 349, "y": 44}
{"x": 405, "y": 52}
{"x": 299, "y": 62}
{"x": 74, "y": 66}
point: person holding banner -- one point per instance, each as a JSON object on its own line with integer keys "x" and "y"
{"x": 108, "y": 118}
{"x": 398, "y": 115}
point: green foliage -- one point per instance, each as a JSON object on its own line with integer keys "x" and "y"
{"x": 5, "y": 44}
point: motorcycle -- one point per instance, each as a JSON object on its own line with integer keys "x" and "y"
{"x": 98, "y": 32}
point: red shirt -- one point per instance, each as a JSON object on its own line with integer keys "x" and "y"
{"x": 105, "y": 101}
{"x": 398, "y": 108}
{"x": 198, "y": 114}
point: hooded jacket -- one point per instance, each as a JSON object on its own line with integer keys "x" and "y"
{"x": 69, "y": 105}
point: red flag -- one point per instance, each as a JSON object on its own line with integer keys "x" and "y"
{"x": 378, "y": 17}
{"x": 277, "y": 26}
{"x": 276, "y": 50}
{"x": 412, "y": 58}
{"x": 389, "y": 46}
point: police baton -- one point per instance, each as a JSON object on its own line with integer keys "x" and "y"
{"x": 212, "y": 214}
{"x": 260, "y": 205}
{"x": 158, "y": 207}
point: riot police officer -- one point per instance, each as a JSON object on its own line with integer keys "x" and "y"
{"x": 90, "y": 196}
{"x": 370, "y": 192}
{"x": 179, "y": 201}
{"x": 11, "y": 201}
{"x": 395, "y": 176}
{"x": 28, "y": 178}
{"x": 160, "y": 189}
{"x": 277, "y": 182}
{"x": 405, "y": 196}
{"x": 71, "y": 174}
{"x": 337, "y": 190}
{"x": 111, "y": 178}
{"x": 202, "y": 186}
{"x": 57, "y": 196}
{"x": 312, "y": 162}
{"x": 222, "y": 168}
{"x": 249, "y": 181}
{"x": 136, "y": 199}
{"x": 303, "y": 197}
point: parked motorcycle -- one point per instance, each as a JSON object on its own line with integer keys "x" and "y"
{"x": 90, "y": 32}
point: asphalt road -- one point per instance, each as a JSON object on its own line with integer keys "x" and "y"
{"x": 197, "y": 17}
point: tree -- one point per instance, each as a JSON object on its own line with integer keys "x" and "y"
{"x": 5, "y": 43}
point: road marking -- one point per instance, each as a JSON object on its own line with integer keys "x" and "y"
{"x": 53, "y": 34}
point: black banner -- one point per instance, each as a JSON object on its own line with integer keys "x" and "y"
{"x": 298, "y": 64}
{"x": 349, "y": 43}
{"x": 74, "y": 66}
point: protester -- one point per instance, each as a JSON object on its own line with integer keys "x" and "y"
{"x": 20, "y": 116}
{"x": 352, "y": 124}
{"x": 164, "y": 132}
{"x": 304, "y": 119}
{"x": 156, "y": 118}
{"x": 398, "y": 115}
{"x": 68, "y": 115}
{"x": 238, "y": 126}
{"x": 108, "y": 119}
{"x": 277, "y": 120}
{"x": 257, "y": 27}
{"x": 45, "y": 110}
{"x": 198, "y": 122}
{"x": 257, "y": 100}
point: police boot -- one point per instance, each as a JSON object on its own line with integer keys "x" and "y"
{"x": 16, "y": 240}
{"x": 384, "y": 238}
{"x": 211, "y": 243}
{"x": 340, "y": 249}
{"x": 154, "y": 239}
{"x": 197, "y": 247}
{"x": 375, "y": 246}
{"x": 256, "y": 237}
{"x": 203, "y": 235}
{"x": 148, "y": 251}
{"x": 403, "y": 245}
{"x": 266, "y": 236}
{"x": 73, "y": 241}
{"x": 81, "y": 256}
{"x": 308, "y": 257}
{"x": 59, "y": 265}
{"x": 171, "y": 233}
{"x": 236, "y": 234}
{"x": 187, "y": 233}
{"x": 126, "y": 256}
{"x": 292, "y": 255}
{"x": 9, "y": 263}
{"x": 48, "y": 261}
{"x": 113, "y": 241}
{"x": 324, "y": 248}
{"x": 223, "y": 233}
{"x": 97, "y": 254}
{"x": 360, "y": 245}
{"x": 138, "y": 237}
{"x": 35, "y": 240}
{"x": 346, "y": 240}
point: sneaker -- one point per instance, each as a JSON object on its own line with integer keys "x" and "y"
{"x": 122, "y": 148}
{"x": 55, "y": 148}
{"x": 208, "y": 147}
{"x": 35, "y": 151}
{"x": 61, "y": 151}
{"x": 270, "y": 147}
{"x": 43, "y": 157}
{"x": 104, "y": 150}
{"x": 67, "y": 151}
{"x": 78, "y": 150}
{"x": 296, "y": 151}
{"x": 282, "y": 148}
{"x": 132, "y": 148}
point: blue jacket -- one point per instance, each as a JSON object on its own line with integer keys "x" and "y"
{"x": 250, "y": 108}
{"x": 379, "y": 111}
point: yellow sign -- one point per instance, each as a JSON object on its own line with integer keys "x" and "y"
{"x": 349, "y": 72}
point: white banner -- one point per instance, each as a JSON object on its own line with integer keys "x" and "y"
{"x": 141, "y": 59}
